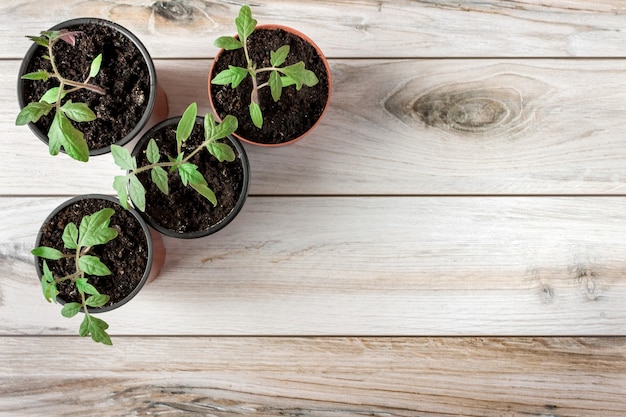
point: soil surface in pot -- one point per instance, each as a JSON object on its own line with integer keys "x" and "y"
{"x": 184, "y": 210}
{"x": 123, "y": 74}
{"x": 126, "y": 255}
{"x": 295, "y": 112}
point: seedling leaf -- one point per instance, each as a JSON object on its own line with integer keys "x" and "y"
{"x": 32, "y": 112}
{"x": 137, "y": 193}
{"x": 245, "y": 23}
{"x": 85, "y": 287}
{"x": 206, "y": 192}
{"x": 36, "y": 76}
{"x": 276, "y": 85}
{"x": 123, "y": 158}
{"x": 48, "y": 284}
{"x": 95, "y": 66}
{"x": 52, "y": 96}
{"x": 159, "y": 177}
{"x": 47, "y": 253}
{"x": 79, "y": 112}
{"x": 95, "y": 230}
{"x": 233, "y": 76}
{"x": 186, "y": 123}
{"x": 189, "y": 174}
{"x": 228, "y": 43}
{"x": 119, "y": 185}
{"x": 221, "y": 151}
{"x": 97, "y": 300}
{"x": 92, "y": 265}
{"x": 256, "y": 115}
{"x": 227, "y": 127}
{"x": 152, "y": 152}
{"x": 70, "y": 236}
{"x": 70, "y": 309}
{"x": 277, "y": 58}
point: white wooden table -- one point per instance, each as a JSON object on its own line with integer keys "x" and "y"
{"x": 450, "y": 241}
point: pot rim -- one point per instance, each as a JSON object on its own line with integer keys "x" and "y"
{"x": 307, "y": 39}
{"x": 144, "y": 53}
{"x": 245, "y": 163}
{"x": 144, "y": 228}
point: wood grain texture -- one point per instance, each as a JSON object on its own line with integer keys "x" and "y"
{"x": 421, "y": 127}
{"x": 362, "y": 266}
{"x": 348, "y": 28}
{"x": 320, "y": 377}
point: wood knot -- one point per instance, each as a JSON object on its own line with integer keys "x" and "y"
{"x": 499, "y": 104}
{"x": 175, "y": 10}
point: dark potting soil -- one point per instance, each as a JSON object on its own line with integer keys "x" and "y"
{"x": 126, "y": 255}
{"x": 123, "y": 74}
{"x": 295, "y": 112}
{"x": 184, "y": 210}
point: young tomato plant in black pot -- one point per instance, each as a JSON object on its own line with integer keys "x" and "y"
{"x": 187, "y": 175}
{"x": 93, "y": 256}
{"x": 274, "y": 79}
{"x": 86, "y": 84}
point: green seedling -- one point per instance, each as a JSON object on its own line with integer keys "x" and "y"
{"x": 93, "y": 230}
{"x": 129, "y": 186}
{"x": 279, "y": 78}
{"x": 62, "y": 133}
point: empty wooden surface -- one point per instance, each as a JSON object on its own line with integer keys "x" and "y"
{"x": 451, "y": 240}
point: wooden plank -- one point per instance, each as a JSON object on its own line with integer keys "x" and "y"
{"x": 399, "y": 28}
{"x": 321, "y": 377}
{"x": 362, "y": 266}
{"x": 421, "y": 127}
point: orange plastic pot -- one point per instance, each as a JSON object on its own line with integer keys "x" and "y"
{"x": 250, "y": 138}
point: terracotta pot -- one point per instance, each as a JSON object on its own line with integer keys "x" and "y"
{"x": 157, "y": 106}
{"x": 182, "y": 197}
{"x": 250, "y": 139}
{"x": 155, "y": 250}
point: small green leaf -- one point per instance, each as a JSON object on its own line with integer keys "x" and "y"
{"x": 233, "y": 76}
{"x": 123, "y": 158}
{"x": 48, "y": 284}
{"x": 38, "y": 75}
{"x": 97, "y": 329}
{"x": 85, "y": 287}
{"x": 227, "y": 127}
{"x": 32, "y": 112}
{"x": 95, "y": 66}
{"x": 79, "y": 112}
{"x": 152, "y": 152}
{"x": 92, "y": 265}
{"x": 39, "y": 40}
{"x": 189, "y": 174}
{"x": 70, "y": 236}
{"x": 206, "y": 192}
{"x": 221, "y": 151}
{"x": 296, "y": 72}
{"x": 228, "y": 42}
{"x": 51, "y": 96}
{"x": 62, "y": 133}
{"x": 159, "y": 177}
{"x": 119, "y": 185}
{"x": 276, "y": 85}
{"x": 137, "y": 193}
{"x": 310, "y": 79}
{"x": 277, "y": 58}
{"x": 95, "y": 230}
{"x": 70, "y": 309}
{"x": 209, "y": 126}
{"x": 186, "y": 123}
{"x": 256, "y": 115}
{"x": 47, "y": 253}
{"x": 97, "y": 300}
{"x": 245, "y": 23}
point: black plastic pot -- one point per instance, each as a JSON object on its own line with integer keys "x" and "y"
{"x": 242, "y": 159}
{"x": 151, "y": 100}
{"x": 150, "y": 247}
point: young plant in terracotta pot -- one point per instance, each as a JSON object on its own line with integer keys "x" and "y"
{"x": 93, "y": 256}
{"x": 187, "y": 175}
{"x": 274, "y": 79}
{"x": 86, "y": 84}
